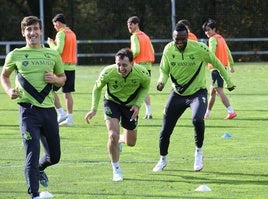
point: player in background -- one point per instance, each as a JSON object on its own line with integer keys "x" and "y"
{"x": 65, "y": 43}
{"x": 218, "y": 46}
{"x": 184, "y": 61}
{"x": 143, "y": 52}
{"x": 127, "y": 85}
{"x": 37, "y": 69}
{"x": 187, "y": 24}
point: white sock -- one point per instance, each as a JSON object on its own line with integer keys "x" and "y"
{"x": 70, "y": 117}
{"x": 198, "y": 149}
{"x": 163, "y": 158}
{"x": 115, "y": 165}
{"x": 60, "y": 111}
{"x": 208, "y": 112}
{"x": 148, "y": 110}
{"x": 230, "y": 109}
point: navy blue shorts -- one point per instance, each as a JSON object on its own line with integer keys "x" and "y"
{"x": 122, "y": 113}
{"x": 217, "y": 80}
{"x": 69, "y": 85}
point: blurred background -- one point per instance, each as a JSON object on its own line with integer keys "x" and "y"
{"x": 101, "y": 25}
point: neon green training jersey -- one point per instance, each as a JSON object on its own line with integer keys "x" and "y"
{"x": 183, "y": 65}
{"x": 130, "y": 90}
{"x": 31, "y": 64}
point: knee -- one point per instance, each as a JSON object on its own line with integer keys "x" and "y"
{"x": 113, "y": 137}
{"x": 198, "y": 121}
{"x": 131, "y": 143}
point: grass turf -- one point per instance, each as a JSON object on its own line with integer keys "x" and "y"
{"x": 233, "y": 168}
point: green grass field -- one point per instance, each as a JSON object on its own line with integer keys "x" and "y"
{"x": 233, "y": 168}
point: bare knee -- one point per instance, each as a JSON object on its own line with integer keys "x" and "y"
{"x": 113, "y": 137}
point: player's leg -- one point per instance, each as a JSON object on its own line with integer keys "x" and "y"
{"x": 174, "y": 108}
{"x": 60, "y": 111}
{"x": 130, "y": 137}
{"x": 148, "y": 107}
{"x": 30, "y": 133}
{"x": 113, "y": 128}
{"x": 112, "y": 116}
{"x": 224, "y": 99}
{"x": 198, "y": 106}
{"x": 212, "y": 92}
{"x": 147, "y": 102}
{"x": 67, "y": 90}
{"x": 211, "y": 101}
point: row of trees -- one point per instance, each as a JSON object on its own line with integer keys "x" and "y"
{"x": 106, "y": 19}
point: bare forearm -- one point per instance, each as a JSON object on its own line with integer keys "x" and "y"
{"x": 57, "y": 80}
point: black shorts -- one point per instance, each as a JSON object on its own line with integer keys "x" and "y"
{"x": 69, "y": 85}
{"x": 122, "y": 113}
{"x": 217, "y": 80}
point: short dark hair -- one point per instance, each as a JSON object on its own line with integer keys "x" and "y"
{"x": 185, "y": 22}
{"x": 125, "y": 52}
{"x": 209, "y": 23}
{"x": 59, "y": 17}
{"x": 30, "y": 20}
{"x": 133, "y": 19}
{"x": 180, "y": 27}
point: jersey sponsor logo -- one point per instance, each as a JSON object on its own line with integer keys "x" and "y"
{"x": 38, "y": 63}
{"x": 134, "y": 83}
{"x": 42, "y": 62}
{"x": 183, "y": 63}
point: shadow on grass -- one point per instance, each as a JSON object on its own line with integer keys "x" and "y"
{"x": 120, "y": 195}
{"x": 190, "y": 176}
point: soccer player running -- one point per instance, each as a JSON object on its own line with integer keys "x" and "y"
{"x": 127, "y": 86}
{"x": 218, "y": 46}
{"x": 184, "y": 61}
{"x": 37, "y": 70}
{"x": 65, "y": 43}
{"x": 143, "y": 52}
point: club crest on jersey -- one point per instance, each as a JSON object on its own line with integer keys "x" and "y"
{"x": 134, "y": 81}
{"x": 25, "y": 63}
{"x": 191, "y": 57}
{"x": 47, "y": 55}
{"x": 115, "y": 85}
{"x": 173, "y": 63}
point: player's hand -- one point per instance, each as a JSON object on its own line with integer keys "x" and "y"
{"x": 231, "y": 88}
{"x": 231, "y": 70}
{"x": 135, "y": 114}
{"x": 13, "y": 93}
{"x": 49, "y": 40}
{"x": 160, "y": 86}
{"x": 50, "y": 77}
{"x": 90, "y": 115}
